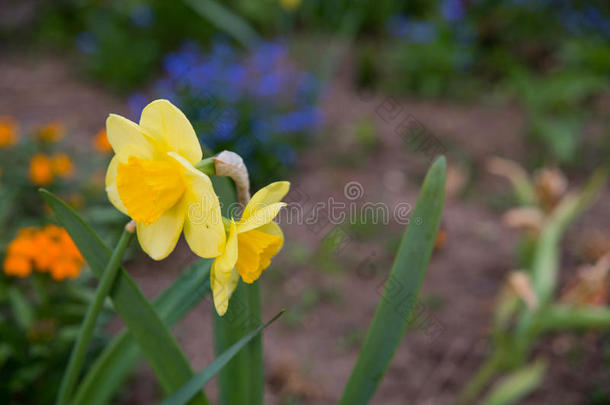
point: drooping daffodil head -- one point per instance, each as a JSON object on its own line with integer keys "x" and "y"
{"x": 152, "y": 179}
{"x": 250, "y": 245}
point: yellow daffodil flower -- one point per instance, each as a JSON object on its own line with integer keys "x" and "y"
{"x": 251, "y": 243}
{"x": 290, "y": 5}
{"x": 152, "y": 179}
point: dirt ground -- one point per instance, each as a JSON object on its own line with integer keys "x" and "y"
{"x": 331, "y": 294}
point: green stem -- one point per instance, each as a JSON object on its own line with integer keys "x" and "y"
{"x": 485, "y": 372}
{"x": 82, "y": 342}
{"x": 255, "y": 347}
{"x": 207, "y": 166}
{"x": 234, "y": 378}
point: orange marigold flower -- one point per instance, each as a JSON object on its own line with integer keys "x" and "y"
{"x": 8, "y": 131}
{"x": 101, "y": 143}
{"x": 41, "y": 170}
{"x": 17, "y": 266}
{"x": 65, "y": 268}
{"x": 62, "y": 165}
{"x": 52, "y": 132}
{"x": 47, "y": 252}
{"x": 49, "y": 249}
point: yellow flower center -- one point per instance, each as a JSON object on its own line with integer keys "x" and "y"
{"x": 148, "y": 188}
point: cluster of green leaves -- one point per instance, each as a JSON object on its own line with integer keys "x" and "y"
{"x": 507, "y": 51}
{"x": 39, "y": 320}
{"x": 238, "y": 343}
{"x": 517, "y": 326}
{"x": 134, "y": 35}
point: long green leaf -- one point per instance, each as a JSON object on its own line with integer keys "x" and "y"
{"x": 545, "y": 266}
{"x": 255, "y": 347}
{"x": 401, "y": 290}
{"x": 116, "y": 362}
{"x": 562, "y": 317}
{"x": 225, "y": 20}
{"x": 516, "y": 385}
{"x": 155, "y": 340}
{"x": 22, "y": 309}
{"x": 183, "y": 395}
{"x": 235, "y": 381}
{"x": 546, "y": 258}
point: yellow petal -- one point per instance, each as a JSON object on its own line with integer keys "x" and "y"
{"x": 127, "y": 138}
{"x": 203, "y": 228}
{"x": 256, "y": 249}
{"x": 111, "y": 188}
{"x": 159, "y": 239}
{"x": 170, "y": 127}
{"x": 223, "y": 275}
{"x": 260, "y": 217}
{"x": 267, "y": 195}
{"x": 148, "y": 188}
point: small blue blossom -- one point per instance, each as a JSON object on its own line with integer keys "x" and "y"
{"x": 256, "y": 104}
{"x": 136, "y": 103}
{"x": 285, "y": 154}
{"x": 86, "y": 43}
{"x": 452, "y": 10}
{"x": 142, "y": 15}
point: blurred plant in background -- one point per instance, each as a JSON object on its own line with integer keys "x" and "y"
{"x": 258, "y": 104}
{"x": 43, "y": 295}
{"x": 40, "y": 314}
{"x": 527, "y": 308}
{"x": 41, "y": 158}
{"x": 129, "y": 34}
{"x": 553, "y": 58}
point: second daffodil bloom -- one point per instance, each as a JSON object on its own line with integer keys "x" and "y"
{"x": 251, "y": 243}
{"x": 152, "y": 179}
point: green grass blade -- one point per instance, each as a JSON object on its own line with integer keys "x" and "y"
{"x": 234, "y": 379}
{"x": 400, "y": 294}
{"x": 22, "y": 309}
{"x": 255, "y": 347}
{"x": 561, "y": 317}
{"x": 87, "y": 328}
{"x": 183, "y": 395}
{"x": 225, "y": 20}
{"x": 116, "y": 362}
{"x": 155, "y": 340}
{"x": 516, "y": 385}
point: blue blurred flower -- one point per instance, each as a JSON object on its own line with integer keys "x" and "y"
{"x": 285, "y": 154}
{"x": 452, "y": 10}
{"x": 86, "y": 43}
{"x": 225, "y": 125}
{"x": 255, "y": 104}
{"x": 142, "y": 15}
{"x": 136, "y": 103}
{"x": 422, "y": 32}
{"x": 397, "y": 26}
{"x": 415, "y": 31}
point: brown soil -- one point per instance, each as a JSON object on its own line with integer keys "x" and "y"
{"x": 331, "y": 295}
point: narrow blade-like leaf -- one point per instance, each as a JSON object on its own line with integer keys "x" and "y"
{"x": 401, "y": 290}
{"x": 225, "y": 20}
{"x": 516, "y": 385}
{"x": 155, "y": 340}
{"x": 116, "y": 362}
{"x": 184, "y": 394}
